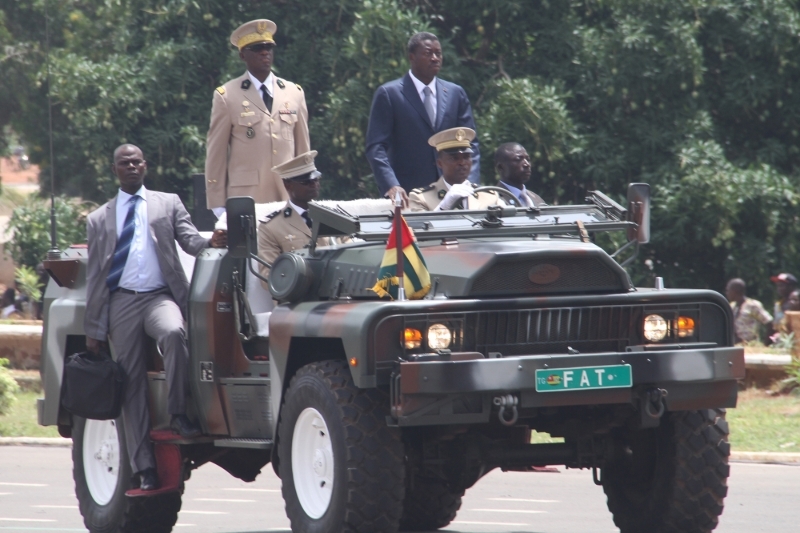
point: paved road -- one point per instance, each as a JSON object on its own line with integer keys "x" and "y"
{"x": 36, "y": 494}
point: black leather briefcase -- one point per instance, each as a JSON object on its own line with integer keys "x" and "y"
{"x": 93, "y": 386}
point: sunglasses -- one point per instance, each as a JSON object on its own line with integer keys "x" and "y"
{"x": 307, "y": 181}
{"x": 260, "y": 47}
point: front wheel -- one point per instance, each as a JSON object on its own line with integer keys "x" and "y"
{"x": 102, "y": 474}
{"x": 341, "y": 466}
{"x": 669, "y": 479}
{"x": 429, "y": 504}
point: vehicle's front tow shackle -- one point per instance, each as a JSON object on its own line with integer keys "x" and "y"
{"x": 654, "y": 402}
{"x": 509, "y": 401}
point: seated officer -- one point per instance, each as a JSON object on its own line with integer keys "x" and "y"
{"x": 290, "y": 228}
{"x": 513, "y": 164}
{"x": 454, "y": 157}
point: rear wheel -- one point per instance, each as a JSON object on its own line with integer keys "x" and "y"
{"x": 429, "y": 504}
{"x": 102, "y": 475}
{"x": 341, "y": 466}
{"x": 670, "y": 479}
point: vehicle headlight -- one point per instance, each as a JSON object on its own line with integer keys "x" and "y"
{"x": 439, "y": 337}
{"x": 685, "y": 326}
{"x": 412, "y": 338}
{"x": 655, "y": 328}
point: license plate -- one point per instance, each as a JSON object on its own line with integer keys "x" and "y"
{"x": 584, "y": 378}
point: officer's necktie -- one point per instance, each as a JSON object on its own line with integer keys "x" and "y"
{"x": 267, "y": 98}
{"x": 428, "y": 103}
{"x": 306, "y": 218}
{"x": 123, "y": 246}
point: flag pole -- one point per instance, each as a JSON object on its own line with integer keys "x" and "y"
{"x": 398, "y": 228}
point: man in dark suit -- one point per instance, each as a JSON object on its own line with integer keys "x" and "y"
{"x": 406, "y": 113}
{"x": 513, "y": 165}
{"x": 136, "y": 287}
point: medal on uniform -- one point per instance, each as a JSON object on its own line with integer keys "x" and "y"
{"x": 251, "y": 133}
{"x": 442, "y": 194}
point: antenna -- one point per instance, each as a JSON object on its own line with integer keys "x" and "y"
{"x": 53, "y": 254}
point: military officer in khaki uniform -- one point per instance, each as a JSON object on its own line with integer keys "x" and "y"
{"x": 289, "y": 228}
{"x": 258, "y": 121}
{"x": 452, "y": 190}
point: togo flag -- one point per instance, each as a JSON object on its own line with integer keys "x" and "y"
{"x": 416, "y": 279}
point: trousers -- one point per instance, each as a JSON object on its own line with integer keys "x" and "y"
{"x": 132, "y": 318}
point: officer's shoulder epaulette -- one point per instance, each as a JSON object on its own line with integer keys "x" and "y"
{"x": 421, "y": 190}
{"x": 298, "y": 87}
{"x": 272, "y": 215}
{"x": 221, "y": 90}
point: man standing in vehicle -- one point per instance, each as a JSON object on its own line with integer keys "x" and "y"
{"x": 258, "y": 121}
{"x": 136, "y": 287}
{"x": 513, "y": 164}
{"x": 409, "y": 110}
{"x": 452, "y": 190}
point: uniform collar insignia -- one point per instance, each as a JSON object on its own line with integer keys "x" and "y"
{"x": 442, "y": 193}
{"x": 280, "y": 83}
{"x": 246, "y": 84}
{"x": 287, "y": 212}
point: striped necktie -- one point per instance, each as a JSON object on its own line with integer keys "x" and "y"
{"x": 123, "y": 246}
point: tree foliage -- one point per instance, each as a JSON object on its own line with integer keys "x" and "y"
{"x": 699, "y": 98}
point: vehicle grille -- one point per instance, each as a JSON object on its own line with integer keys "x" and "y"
{"x": 586, "y": 329}
{"x": 576, "y": 274}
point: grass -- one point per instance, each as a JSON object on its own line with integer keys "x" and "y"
{"x": 21, "y": 420}
{"x": 765, "y": 423}
{"x": 761, "y": 422}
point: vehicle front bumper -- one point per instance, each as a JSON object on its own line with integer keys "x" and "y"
{"x": 693, "y": 379}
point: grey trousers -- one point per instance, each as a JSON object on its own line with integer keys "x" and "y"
{"x": 132, "y": 318}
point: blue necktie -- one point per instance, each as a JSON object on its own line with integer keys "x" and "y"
{"x": 123, "y": 246}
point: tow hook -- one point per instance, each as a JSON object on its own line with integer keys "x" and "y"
{"x": 654, "y": 404}
{"x": 510, "y": 401}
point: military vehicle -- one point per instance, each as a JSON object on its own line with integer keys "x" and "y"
{"x": 378, "y": 415}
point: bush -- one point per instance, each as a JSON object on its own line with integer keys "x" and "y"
{"x": 8, "y": 387}
{"x": 30, "y": 225}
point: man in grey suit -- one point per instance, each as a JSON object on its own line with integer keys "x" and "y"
{"x": 136, "y": 288}
{"x": 406, "y": 112}
{"x": 513, "y": 164}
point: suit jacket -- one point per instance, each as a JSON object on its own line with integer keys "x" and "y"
{"x": 426, "y": 199}
{"x": 535, "y": 199}
{"x": 399, "y": 129}
{"x": 283, "y": 231}
{"x": 245, "y": 141}
{"x": 168, "y": 222}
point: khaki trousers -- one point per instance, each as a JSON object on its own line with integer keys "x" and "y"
{"x": 132, "y": 318}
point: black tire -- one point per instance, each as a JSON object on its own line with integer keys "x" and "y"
{"x": 367, "y": 455}
{"x": 670, "y": 479}
{"x": 429, "y": 505}
{"x": 120, "y": 514}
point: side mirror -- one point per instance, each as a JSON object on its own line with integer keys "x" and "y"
{"x": 241, "y": 214}
{"x": 638, "y": 211}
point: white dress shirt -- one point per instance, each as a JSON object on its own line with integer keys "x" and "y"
{"x": 421, "y": 86}
{"x": 269, "y": 83}
{"x": 142, "y": 271}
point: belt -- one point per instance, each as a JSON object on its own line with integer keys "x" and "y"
{"x": 128, "y": 291}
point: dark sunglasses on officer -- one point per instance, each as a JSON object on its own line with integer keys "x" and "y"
{"x": 260, "y": 47}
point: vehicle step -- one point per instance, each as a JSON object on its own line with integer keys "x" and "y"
{"x": 256, "y": 444}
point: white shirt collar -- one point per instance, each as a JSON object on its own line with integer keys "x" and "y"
{"x": 269, "y": 83}
{"x": 297, "y": 208}
{"x": 420, "y": 86}
{"x": 123, "y": 198}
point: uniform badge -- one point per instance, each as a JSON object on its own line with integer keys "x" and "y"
{"x": 287, "y": 212}
{"x": 251, "y": 133}
{"x": 246, "y": 84}
{"x": 442, "y": 194}
{"x": 290, "y": 237}
{"x": 280, "y": 83}
{"x": 261, "y": 27}
{"x": 246, "y": 103}
{"x": 460, "y": 135}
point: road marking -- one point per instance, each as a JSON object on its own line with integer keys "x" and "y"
{"x": 26, "y": 520}
{"x": 487, "y": 523}
{"x": 23, "y": 484}
{"x": 523, "y": 511}
{"x": 203, "y": 512}
{"x": 254, "y": 490}
{"x": 55, "y": 506}
{"x": 521, "y": 500}
{"x": 223, "y": 500}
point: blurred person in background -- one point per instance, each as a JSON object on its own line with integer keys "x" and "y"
{"x": 785, "y": 283}
{"x": 747, "y": 312}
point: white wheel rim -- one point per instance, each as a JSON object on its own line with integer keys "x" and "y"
{"x": 312, "y": 463}
{"x": 101, "y": 459}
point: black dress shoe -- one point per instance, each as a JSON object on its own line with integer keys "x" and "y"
{"x": 181, "y": 425}
{"x": 149, "y": 479}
